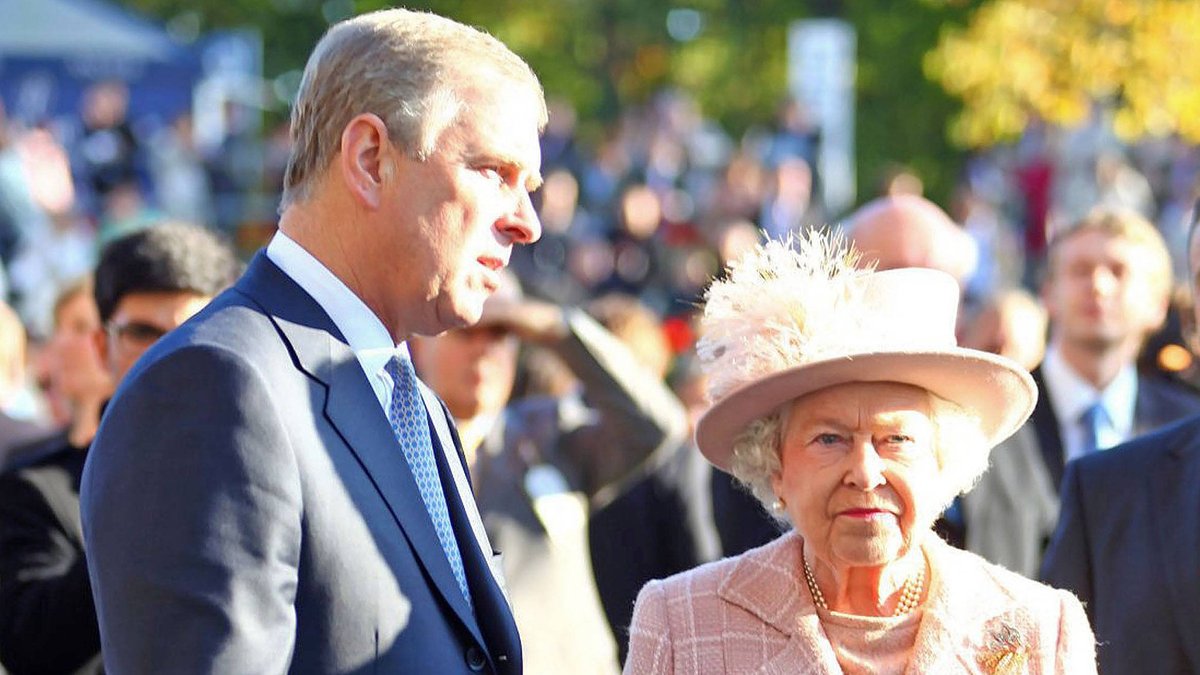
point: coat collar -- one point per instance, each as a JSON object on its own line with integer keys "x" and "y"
{"x": 968, "y": 618}
{"x": 352, "y": 409}
{"x": 766, "y": 583}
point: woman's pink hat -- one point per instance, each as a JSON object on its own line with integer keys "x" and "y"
{"x": 790, "y": 320}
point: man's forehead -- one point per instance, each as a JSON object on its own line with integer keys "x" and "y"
{"x": 506, "y": 123}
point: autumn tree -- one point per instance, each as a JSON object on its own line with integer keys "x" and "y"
{"x": 1017, "y": 60}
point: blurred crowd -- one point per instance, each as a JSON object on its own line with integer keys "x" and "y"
{"x": 634, "y": 226}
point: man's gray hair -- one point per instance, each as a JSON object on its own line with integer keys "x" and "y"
{"x": 408, "y": 68}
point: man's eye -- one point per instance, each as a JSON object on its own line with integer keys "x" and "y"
{"x": 828, "y": 439}
{"x": 899, "y": 439}
{"x": 495, "y": 173}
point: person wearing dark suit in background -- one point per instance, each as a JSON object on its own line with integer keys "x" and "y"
{"x": 71, "y": 369}
{"x": 1106, "y": 289}
{"x": 1128, "y": 542}
{"x": 146, "y": 285}
{"x": 272, "y": 489}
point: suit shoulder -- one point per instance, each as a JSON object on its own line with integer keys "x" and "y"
{"x": 1142, "y": 451}
{"x": 1168, "y": 396}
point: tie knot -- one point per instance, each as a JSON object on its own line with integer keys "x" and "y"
{"x": 400, "y": 369}
{"x": 1094, "y": 415}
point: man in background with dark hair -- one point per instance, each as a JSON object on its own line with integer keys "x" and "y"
{"x": 146, "y": 284}
{"x": 1128, "y": 541}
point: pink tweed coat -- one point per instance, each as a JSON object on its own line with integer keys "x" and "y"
{"x": 753, "y": 615}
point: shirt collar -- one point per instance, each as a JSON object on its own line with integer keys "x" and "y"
{"x": 1071, "y": 395}
{"x": 364, "y": 332}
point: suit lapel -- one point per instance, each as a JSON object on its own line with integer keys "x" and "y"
{"x": 354, "y": 412}
{"x": 1175, "y": 510}
{"x": 1045, "y": 423}
{"x": 495, "y": 617}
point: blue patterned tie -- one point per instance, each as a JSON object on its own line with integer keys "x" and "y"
{"x": 409, "y": 423}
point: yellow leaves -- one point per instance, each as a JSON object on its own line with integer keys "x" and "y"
{"x": 1023, "y": 59}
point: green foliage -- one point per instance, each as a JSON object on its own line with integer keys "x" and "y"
{"x": 605, "y": 55}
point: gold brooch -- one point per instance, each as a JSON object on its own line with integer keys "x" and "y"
{"x": 1005, "y": 653}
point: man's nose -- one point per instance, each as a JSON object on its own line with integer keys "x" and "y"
{"x": 1104, "y": 281}
{"x": 522, "y": 226}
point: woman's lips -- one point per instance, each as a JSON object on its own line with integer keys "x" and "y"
{"x": 865, "y": 513}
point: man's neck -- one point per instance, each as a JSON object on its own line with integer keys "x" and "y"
{"x": 1097, "y": 365}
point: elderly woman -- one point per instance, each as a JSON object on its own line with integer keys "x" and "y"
{"x": 843, "y": 403}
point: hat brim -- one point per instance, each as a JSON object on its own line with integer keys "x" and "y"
{"x": 997, "y": 390}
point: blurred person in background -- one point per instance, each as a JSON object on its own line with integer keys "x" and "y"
{"x": 1128, "y": 541}
{"x": 77, "y": 379}
{"x": 1011, "y": 323}
{"x": 907, "y": 230}
{"x": 145, "y": 285}
{"x": 659, "y": 520}
{"x": 60, "y": 251}
{"x": 17, "y": 432}
{"x": 107, "y": 153}
{"x": 126, "y": 211}
{"x": 537, "y": 463}
{"x": 1106, "y": 289}
{"x": 544, "y": 267}
{"x": 19, "y": 213}
{"x": 788, "y": 206}
{"x": 181, "y": 184}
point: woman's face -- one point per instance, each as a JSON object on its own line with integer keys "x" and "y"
{"x": 859, "y": 472}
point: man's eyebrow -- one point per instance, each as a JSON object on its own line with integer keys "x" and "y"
{"x": 511, "y": 162}
{"x": 534, "y": 182}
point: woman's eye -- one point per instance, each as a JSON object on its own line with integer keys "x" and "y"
{"x": 828, "y": 439}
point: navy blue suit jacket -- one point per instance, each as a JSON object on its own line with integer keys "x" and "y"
{"x": 247, "y": 509}
{"x": 1128, "y": 544}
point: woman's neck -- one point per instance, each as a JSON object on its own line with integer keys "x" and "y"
{"x": 865, "y": 591}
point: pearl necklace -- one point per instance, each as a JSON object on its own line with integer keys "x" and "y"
{"x": 910, "y": 595}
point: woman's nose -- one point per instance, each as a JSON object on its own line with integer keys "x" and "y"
{"x": 866, "y": 466}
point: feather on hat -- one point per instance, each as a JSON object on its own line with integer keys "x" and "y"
{"x": 796, "y": 316}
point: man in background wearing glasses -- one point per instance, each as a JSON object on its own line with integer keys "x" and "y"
{"x": 146, "y": 284}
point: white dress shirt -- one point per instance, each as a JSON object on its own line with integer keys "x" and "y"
{"x": 1071, "y": 396}
{"x": 373, "y": 347}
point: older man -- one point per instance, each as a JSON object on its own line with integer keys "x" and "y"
{"x": 1128, "y": 542}
{"x": 272, "y": 488}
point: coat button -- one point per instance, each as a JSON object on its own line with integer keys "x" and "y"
{"x": 475, "y": 660}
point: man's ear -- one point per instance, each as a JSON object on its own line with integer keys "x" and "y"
{"x": 100, "y": 341}
{"x": 363, "y": 157}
